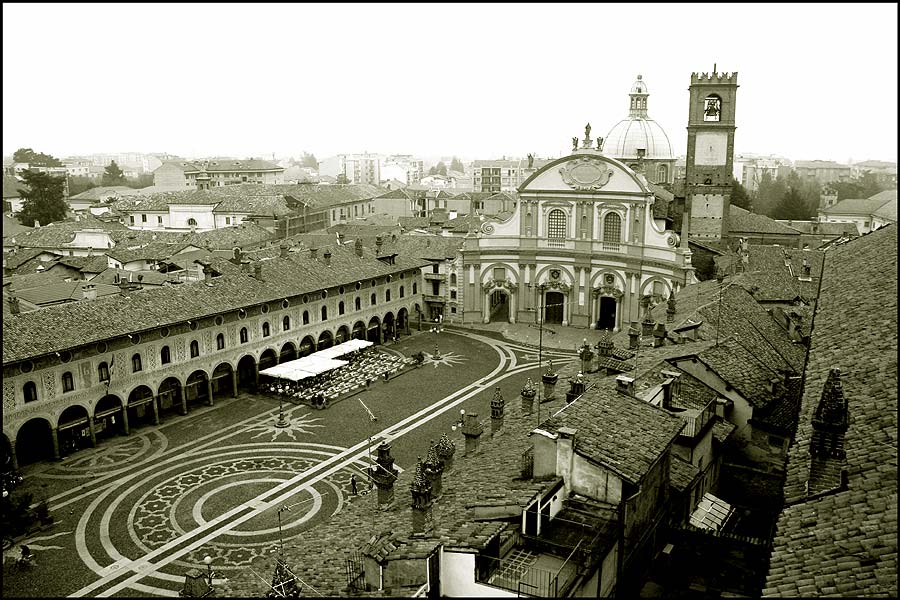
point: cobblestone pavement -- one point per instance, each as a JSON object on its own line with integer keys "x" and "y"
{"x": 135, "y": 513}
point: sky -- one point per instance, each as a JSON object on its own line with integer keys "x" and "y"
{"x": 817, "y": 81}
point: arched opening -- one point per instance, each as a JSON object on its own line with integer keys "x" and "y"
{"x": 403, "y": 321}
{"x": 73, "y": 431}
{"x": 247, "y": 373}
{"x": 288, "y": 352}
{"x": 307, "y": 346}
{"x": 359, "y": 331}
{"x": 139, "y": 410}
{"x": 662, "y": 174}
{"x": 267, "y": 359}
{"x": 373, "y": 331}
{"x": 34, "y": 442}
{"x": 196, "y": 390}
{"x": 222, "y": 381}
{"x": 342, "y": 334}
{"x": 556, "y": 228}
{"x": 169, "y": 396}
{"x": 387, "y": 327}
{"x": 108, "y": 417}
{"x": 326, "y": 340}
{"x": 553, "y": 311}
{"x": 607, "y": 318}
{"x": 499, "y": 306}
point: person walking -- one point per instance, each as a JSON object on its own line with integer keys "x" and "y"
{"x": 353, "y": 484}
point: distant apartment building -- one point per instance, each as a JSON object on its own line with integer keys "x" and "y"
{"x": 137, "y": 162}
{"x": 884, "y": 172}
{"x": 504, "y": 175}
{"x": 77, "y": 167}
{"x": 868, "y": 214}
{"x": 749, "y": 169}
{"x": 823, "y": 171}
{"x": 402, "y": 167}
{"x": 357, "y": 168}
{"x": 183, "y": 174}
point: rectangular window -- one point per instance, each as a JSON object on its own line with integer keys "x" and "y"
{"x": 131, "y": 219}
{"x": 453, "y": 294}
{"x": 499, "y": 273}
{"x": 159, "y": 220}
{"x": 228, "y": 220}
{"x": 143, "y": 218}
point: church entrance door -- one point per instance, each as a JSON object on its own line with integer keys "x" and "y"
{"x": 607, "y": 318}
{"x": 553, "y": 313}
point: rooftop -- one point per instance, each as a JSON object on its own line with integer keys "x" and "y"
{"x": 744, "y": 221}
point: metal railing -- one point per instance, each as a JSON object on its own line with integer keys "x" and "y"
{"x": 695, "y": 424}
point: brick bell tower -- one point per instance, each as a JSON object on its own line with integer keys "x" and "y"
{"x": 710, "y": 153}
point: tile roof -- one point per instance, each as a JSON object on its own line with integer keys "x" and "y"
{"x": 744, "y": 221}
{"x": 85, "y": 264}
{"x": 238, "y": 165}
{"x": 424, "y": 246}
{"x": 865, "y": 206}
{"x": 61, "y": 233}
{"x": 740, "y": 368}
{"x": 490, "y": 476}
{"x": 823, "y": 228}
{"x": 61, "y": 292}
{"x": 75, "y": 325}
{"x": 782, "y": 414}
{"x": 624, "y": 434}
{"x": 844, "y": 543}
{"x": 681, "y": 473}
{"x": 102, "y": 192}
{"x": 11, "y": 187}
{"x": 11, "y": 226}
{"x": 16, "y": 259}
{"x": 769, "y": 278}
{"x": 145, "y": 277}
{"x": 32, "y": 280}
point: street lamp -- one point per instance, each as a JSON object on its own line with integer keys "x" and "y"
{"x": 280, "y": 535}
{"x": 462, "y": 418}
{"x": 541, "y": 308}
{"x": 282, "y": 422}
{"x": 438, "y": 327}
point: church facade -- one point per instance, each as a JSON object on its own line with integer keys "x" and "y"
{"x": 581, "y": 249}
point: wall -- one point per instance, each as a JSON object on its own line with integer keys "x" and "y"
{"x": 458, "y": 578}
{"x": 179, "y": 215}
{"x": 544, "y": 455}
{"x": 169, "y": 175}
{"x": 740, "y": 413}
{"x": 595, "y": 482}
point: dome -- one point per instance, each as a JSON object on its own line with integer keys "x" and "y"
{"x": 628, "y": 135}
{"x": 639, "y": 87}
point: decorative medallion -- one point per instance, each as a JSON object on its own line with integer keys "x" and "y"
{"x": 608, "y": 290}
{"x": 586, "y": 173}
{"x": 487, "y": 228}
{"x": 554, "y": 273}
{"x": 609, "y": 278}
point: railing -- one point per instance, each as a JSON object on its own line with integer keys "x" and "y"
{"x": 612, "y": 247}
{"x": 695, "y": 424}
{"x": 433, "y": 298}
{"x": 566, "y": 573}
{"x": 438, "y": 276}
{"x": 355, "y": 572}
{"x": 525, "y": 580}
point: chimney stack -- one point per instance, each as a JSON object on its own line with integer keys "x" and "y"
{"x": 37, "y": 224}
{"x": 13, "y": 304}
{"x": 528, "y": 393}
{"x": 257, "y": 271}
{"x": 313, "y": 252}
{"x": 89, "y": 291}
{"x": 634, "y": 336}
{"x": 378, "y": 243}
{"x": 472, "y": 430}
{"x": 384, "y": 474}
{"x": 422, "y": 521}
{"x": 327, "y": 257}
{"x": 434, "y": 470}
{"x": 497, "y": 404}
{"x": 245, "y": 266}
{"x": 445, "y": 450}
{"x": 283, "y": 251}
{"x": 671, "y": 387}
{"x": 625, "y": 385}
{"x": 829, "y": 423}
{"x": 358, "y": 247}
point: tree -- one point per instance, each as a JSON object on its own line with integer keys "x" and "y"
{"x": 113, "y": 175}
{"x": 456, "y": 165}
{"x": 309, "y": 160}
{"x": 143, "y": 180}
{"x": 740, "y": 197}
{"x": 79, "y": 184}
{"x": 792, "y": 205}
{"x": 43, "y": 200}
{"x": 438, "y": 169}
{"x": 768, "y": 194}
{"x": 35, "y": 159}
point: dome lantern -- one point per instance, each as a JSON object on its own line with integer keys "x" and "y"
{"x": 638, "y": 99}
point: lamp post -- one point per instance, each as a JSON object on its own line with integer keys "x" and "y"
{"x": 280, "y": 536}
{"x": 462, "y": 417}
{"x": 282, "y": 422}
{"x": 438, "y": 327}
{"x": 541, "y": 308}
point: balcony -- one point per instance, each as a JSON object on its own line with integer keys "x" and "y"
{"x": 530, "y": 574}
{"x": 695, "y": 420}
{"x": 435, "y": 276}
{"x": 433, "y": 298}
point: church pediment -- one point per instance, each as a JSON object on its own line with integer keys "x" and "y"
{"x": 584, "y": 173}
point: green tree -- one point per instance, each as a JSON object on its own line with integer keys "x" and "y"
{"x": 309, "y": 160}
{"x": 740, "y": 196}
{"x": 113, "y": 175}
{"x": 143, "y": 180}
{"x": 43, "y": 200}
{"x": 35, "y": 159}
{"x": 456, "y": 165}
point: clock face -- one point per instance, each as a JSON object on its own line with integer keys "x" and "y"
{"x": 711, "y": 148}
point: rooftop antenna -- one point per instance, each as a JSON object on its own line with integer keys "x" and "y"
{"x": 714, "y": 68}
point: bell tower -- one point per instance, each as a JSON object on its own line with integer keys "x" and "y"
{"x": 710, "y": 153}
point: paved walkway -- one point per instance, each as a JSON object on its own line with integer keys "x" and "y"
{"x": 555, "y": 336}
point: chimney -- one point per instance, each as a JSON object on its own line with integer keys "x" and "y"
{"x": 314, "y": 252}
{"x": 528, "y": 393}
{"x": 37, "y": 224}
{"x": 257, "y": 271}
{"x": 565, "y": 455}
{"x": 341, "y": 238}
{"x": 434, "y": 470}
{"x": 659, "y": 335}
{"x": 378, "y": 242}
{"x": 358, "y": 247}
{"x": 283, "y": 251}
{"x": 634, "y": 336}
{"x": 497, "y": 404}
{"x": 472, "y": 430}
{"x": 671, "y": 309}
{"x": 445, "y": 451}
{"x": 327, "y": 257}
{"x": 13, "y": 304}
{"x": 89, "y": 292}
{"x": 236, "y": 259}
{"x": 671, "y": 387}
{"x": 384, "y": 474}
{"x": 422, "y": 521}
{"x": 625, "y": 385}
{"x": 829, "y": 423}
{"x": 245, "y": 266}
{"x": 207, "y": 273}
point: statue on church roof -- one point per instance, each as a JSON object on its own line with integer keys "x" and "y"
{"x": 574, "y": 143}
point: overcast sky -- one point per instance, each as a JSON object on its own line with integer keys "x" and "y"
{"x": 477, "y": 81}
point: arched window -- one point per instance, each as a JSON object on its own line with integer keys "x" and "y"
{"x": 372, "y": 303}
{"x": 401, "y": 291}
{"x": 414, "y": 288}
{"x": 612, "y": 231}
{"x": 556, "y": 228}
{"x": 68, "y": 382}
{"x": 220, "y": 342}
{"x": 30, "y": 391}
{"x": 662, "y": 174}
{"x": 165, "y": 356}
{"x": 243, "y": 335}
{"x": 341, "y": 307}
{"x": 286, "y": 324}
{"x": 136, "y": 363}
{"x": 452, "y": 278}
{"x": 306, "y": 317}
{"x": 265, "y": 329}
{"x": 357, "y": 304}
{"x": 387, "y": 295}
{"x": 192, "y": 222}
{"x": 324, "y": 313}
{"x": 195, "y": 348}
{"x": 103, "y": 371}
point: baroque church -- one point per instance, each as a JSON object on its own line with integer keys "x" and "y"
{"x": 583, "y": 247}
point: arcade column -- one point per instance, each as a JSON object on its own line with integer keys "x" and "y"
{"x": 54, "y": 437}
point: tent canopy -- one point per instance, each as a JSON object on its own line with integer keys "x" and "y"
{"x": 301, "y": 368}
{"x": 344, "y": 348}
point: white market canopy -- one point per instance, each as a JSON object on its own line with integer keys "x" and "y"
{"x": 342, "y": 349}
{"x": 295, "y": 370}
